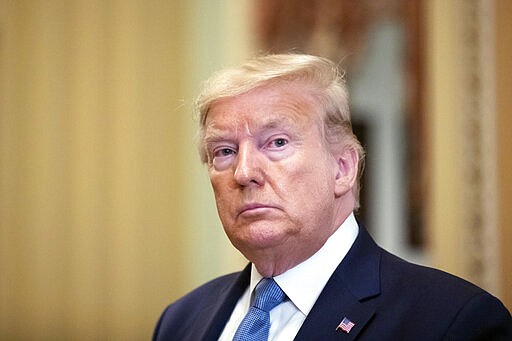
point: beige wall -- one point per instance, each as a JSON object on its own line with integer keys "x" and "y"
{"x": 105, "y": 212}
{"x": 504, "y": 110}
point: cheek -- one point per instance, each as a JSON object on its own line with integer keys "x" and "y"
{"x": 218, "y": 181}
{"x": 223, "y": 197}
{"x": 313, "y": 185}
{"x": 315, "y": 174}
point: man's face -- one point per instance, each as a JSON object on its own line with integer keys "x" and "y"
{"x": 271, "y": 171}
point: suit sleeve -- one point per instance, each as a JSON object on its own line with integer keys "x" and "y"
{"x": 483, "y": 317}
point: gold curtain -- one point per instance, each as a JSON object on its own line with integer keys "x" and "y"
{"x": 468, "y": 87}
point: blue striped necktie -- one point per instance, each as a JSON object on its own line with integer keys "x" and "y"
{"x": 256, "y": 324}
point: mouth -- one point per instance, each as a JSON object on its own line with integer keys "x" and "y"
{"x": 256, "y": 208}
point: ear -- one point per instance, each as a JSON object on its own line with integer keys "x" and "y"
{"x": 346, "y": 171}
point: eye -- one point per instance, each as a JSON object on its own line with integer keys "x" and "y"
{"x": 222, "y": 152}
{"x": 222, "y": 157}
{"x": 278, "y": 143}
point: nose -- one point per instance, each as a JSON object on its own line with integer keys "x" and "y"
{"x": 249, "y": 166}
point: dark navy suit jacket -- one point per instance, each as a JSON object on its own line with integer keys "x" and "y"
{"x": 385, "y": 297}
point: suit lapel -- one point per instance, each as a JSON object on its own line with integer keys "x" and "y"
{"x": 212, "y": 320}
{"x": 355, "y": 279}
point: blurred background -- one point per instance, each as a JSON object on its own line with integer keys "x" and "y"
{"x": 106, "y": 214}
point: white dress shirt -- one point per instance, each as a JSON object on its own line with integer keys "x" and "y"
{"x": 302, "y": 284}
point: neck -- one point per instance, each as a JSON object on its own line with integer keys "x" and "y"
{"x": 277, "y": 260}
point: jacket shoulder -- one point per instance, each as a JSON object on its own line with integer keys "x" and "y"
{"x": 180, "y": 316}
{"x": 403, "y": 275}
{"x": 453, "y": 306}
{"x": 204, "y": 294}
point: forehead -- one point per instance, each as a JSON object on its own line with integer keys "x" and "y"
{"x": 267, "y": 107}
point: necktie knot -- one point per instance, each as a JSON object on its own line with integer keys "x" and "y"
{"x": 256, "y": 324}
{"x": 268, "y": 295}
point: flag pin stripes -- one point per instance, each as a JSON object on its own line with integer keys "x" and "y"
{"x": 346, "y": 325}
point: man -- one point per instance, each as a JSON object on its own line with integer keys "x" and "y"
{"x": 276, "y": 137}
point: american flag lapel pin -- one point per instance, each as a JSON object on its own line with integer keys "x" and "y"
{"x": 346, "y": 325}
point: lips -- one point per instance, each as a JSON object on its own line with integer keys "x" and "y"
{"x": 255, "y": 208}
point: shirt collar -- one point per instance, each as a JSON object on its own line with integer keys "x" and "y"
{"x": 304, "y": 282}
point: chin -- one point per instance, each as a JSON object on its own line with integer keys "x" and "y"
{"x": 257, "y": 237}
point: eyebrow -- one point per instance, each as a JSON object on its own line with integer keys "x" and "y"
{"x": 213, "y": 137}
{"x": 213, "y": 134}
{"x": 275, "y": 123}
